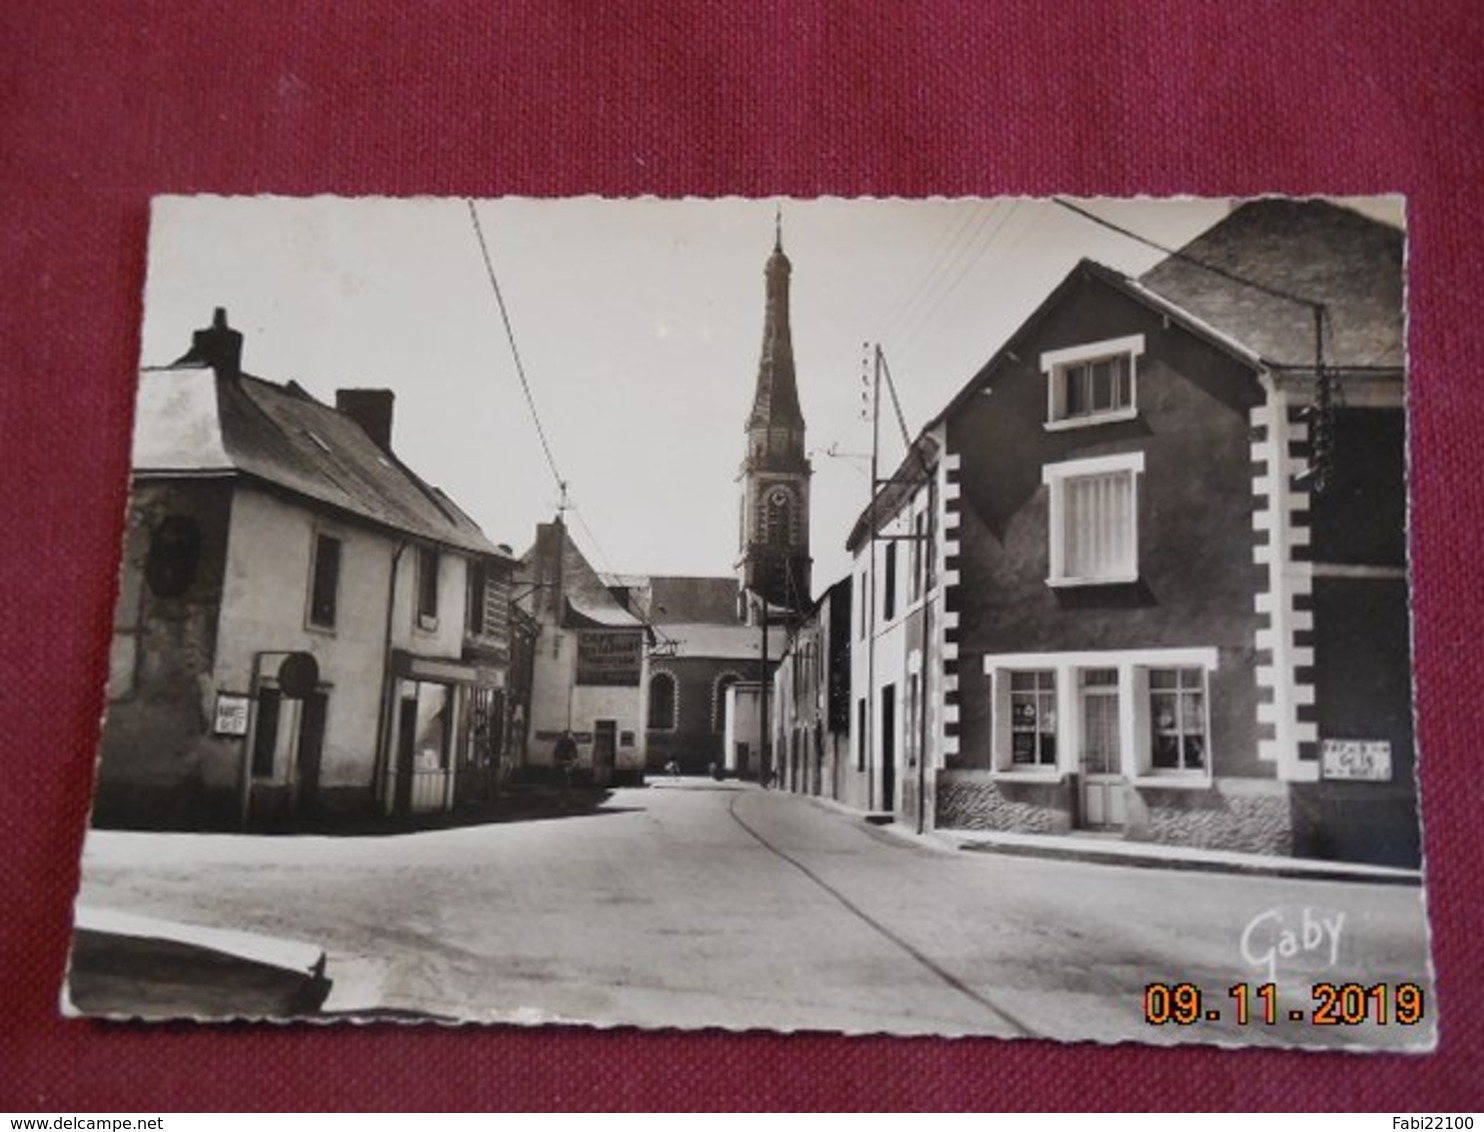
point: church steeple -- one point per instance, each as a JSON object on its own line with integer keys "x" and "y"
{"x": 773, "y": 538}
{"x": 775, "y": 403}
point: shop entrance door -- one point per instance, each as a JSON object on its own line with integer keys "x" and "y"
{"x": 1101, "y": 785}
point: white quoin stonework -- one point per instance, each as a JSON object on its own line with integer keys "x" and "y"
{"x": 1289, "y": 584}
{"x": 948, "y": 547}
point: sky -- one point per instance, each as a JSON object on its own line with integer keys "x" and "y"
{"x": 639, "y": 326}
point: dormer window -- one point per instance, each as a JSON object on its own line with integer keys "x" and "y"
{"x": 1093, "y": 383}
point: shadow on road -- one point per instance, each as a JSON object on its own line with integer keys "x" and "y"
{"x": 520, "y": 803}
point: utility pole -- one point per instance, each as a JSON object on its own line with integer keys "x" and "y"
{"x": 765, "y": 751}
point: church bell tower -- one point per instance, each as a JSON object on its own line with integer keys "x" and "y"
{"x": 773, "y": 539}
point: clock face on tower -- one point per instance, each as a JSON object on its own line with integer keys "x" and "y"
{"x": 778, "y": 497}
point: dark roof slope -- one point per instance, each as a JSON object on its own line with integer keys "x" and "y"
{"x": 693, "y": 600}
{"x": 282, "y": 435}
{"x": 587, "y": 601}
{"x": 1311, "y": 249}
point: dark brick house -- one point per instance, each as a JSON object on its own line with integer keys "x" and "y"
{"x": 1173, "y": 545}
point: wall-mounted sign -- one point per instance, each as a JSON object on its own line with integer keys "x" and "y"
{"x": 553, "y": 736}
{"x": 231, "y": 714}
{"x": 1363, "y": 760}
{"x": 609, "y": 657}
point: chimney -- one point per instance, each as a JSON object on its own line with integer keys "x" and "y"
{"x": 218, "y": 346}
{"x": 372, "y": 410}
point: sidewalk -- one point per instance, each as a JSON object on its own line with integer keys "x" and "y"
{"x": 124, "y": 965}
{"x": 1112, "y": 850}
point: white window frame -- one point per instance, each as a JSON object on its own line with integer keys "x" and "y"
{"x": 1056, "y": 477}
{"x": 1134, "y": 712}
{"x": 1145, "y": 737}
{"x": 1056, "y": 364}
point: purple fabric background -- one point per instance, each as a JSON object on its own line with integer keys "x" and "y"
{"x": 103, "y": 104}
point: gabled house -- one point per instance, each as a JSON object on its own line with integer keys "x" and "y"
{"x": 588, "y": 665}
{"x": 296, "y": 633}
{"x": 1170, "y": 515}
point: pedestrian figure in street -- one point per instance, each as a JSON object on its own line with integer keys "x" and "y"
{"x": 566, "y": 756}
{"x": 672, "y": 768}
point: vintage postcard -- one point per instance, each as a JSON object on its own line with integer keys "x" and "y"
{"x": 954, "y": 617}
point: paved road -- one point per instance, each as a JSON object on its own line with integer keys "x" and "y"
{"x": 693, "y": 903}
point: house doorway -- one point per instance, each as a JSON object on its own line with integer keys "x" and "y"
{"x": 308, "y": 753}
{"x": 1101, "y": 779}
{"x": 605, "y": 747}
{"x": 889, "y": 748}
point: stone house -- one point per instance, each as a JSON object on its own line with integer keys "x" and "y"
{"x": 305, "y": 629}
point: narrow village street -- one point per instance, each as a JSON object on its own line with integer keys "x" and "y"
{"x": 695, "y": 903}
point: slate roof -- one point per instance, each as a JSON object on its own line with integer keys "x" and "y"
{"x": 1313, "y": 250}
{"x": 724, "y": 642}
{"x": 192, "y": 420}
{"x": 588, "y": 602}
{"x": 692, "y": 600}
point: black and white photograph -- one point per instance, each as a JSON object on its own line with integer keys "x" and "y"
{"x": 957, "y": 617}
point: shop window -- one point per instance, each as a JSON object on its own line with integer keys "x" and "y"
{"x": 324, "y": 585}
{"x": 1033, "y": 718}
{"x": 1092, "y": 383}
{"x": 1093, "y": 535}
{"x": 1177, "y": 720}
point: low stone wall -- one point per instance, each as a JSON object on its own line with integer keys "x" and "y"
{"x": 1241, "y": 815}
{"x": 976, "y": 799}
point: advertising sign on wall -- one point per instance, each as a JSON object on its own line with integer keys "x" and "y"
{"x": 609, "y": 657}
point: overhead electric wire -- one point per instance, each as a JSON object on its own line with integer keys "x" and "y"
{"x": 520, "y": 368}
{"x": 525, "y": 385}
{"x": 1183, "y": 257}
{"x": 985, "y": 237}
{"x": 956, "y": 233}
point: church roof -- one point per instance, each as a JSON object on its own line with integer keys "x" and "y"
{"x": 724, "y": 642}
{"x": 693, "y": 600}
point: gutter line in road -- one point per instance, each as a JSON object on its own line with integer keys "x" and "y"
{"x": 881, "y": 929}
